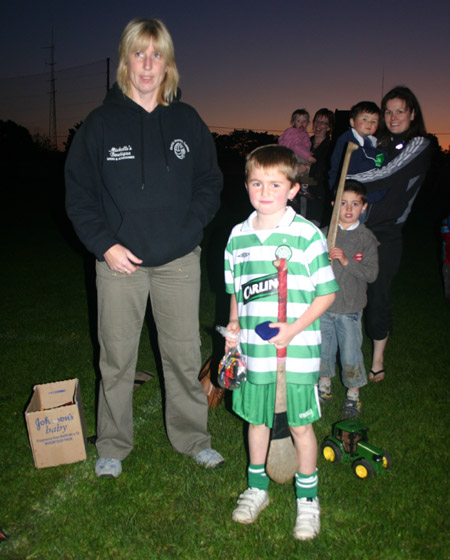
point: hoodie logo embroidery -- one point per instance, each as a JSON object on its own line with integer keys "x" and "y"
{"x": 179, "y": 148}
{"x": 117, "y": 154}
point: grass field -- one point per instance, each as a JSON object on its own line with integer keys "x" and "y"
{"x": 165, "y": 506}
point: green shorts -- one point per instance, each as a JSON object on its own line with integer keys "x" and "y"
{"x": 256, "y": 403}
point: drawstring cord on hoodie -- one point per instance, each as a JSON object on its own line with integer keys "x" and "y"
{"x": 166, "y": 158}
{"x": 163, "y": 140}
{"x": 142, "y": 152}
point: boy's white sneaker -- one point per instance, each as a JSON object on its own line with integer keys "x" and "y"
{"x": 250, "y": 505}
{"x": 307, "y": 524}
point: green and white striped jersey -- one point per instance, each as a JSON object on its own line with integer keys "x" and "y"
{"x": 251, "y": 275}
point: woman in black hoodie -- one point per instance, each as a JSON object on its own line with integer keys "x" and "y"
{"x": 142, "y": 182}
{"x": 392, "y": 190}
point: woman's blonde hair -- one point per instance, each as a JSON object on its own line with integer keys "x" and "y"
{"x": 136, "y": 37}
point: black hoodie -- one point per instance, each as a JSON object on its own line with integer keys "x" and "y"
{"x": 148, "y": 181}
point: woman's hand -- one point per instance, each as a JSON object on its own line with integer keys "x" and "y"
{"x": 120, "y": 259}
{"x": 303, "y": 168}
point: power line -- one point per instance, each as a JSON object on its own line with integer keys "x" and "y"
{"x": 25, "y": 105}
{"x": 52, "y": 110}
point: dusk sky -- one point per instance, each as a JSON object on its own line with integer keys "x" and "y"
{"x": 249, "y": 64}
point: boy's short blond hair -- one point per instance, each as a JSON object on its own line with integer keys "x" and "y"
{"x": 273, "y": 156}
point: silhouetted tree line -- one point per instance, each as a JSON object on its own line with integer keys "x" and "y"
{"x": 241, "y": 142}
{"x": 16, "y": 142}
{"x": 18, "y": 145}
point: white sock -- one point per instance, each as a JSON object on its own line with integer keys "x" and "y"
{"x": 353, "y": 395}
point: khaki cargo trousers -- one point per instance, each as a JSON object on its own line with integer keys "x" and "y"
{"x": 174, "y": 293}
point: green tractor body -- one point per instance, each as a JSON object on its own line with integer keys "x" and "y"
{"x": 348, "y": 444}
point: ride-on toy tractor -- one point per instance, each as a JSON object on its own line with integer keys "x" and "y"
{"x": 348, "y": 444}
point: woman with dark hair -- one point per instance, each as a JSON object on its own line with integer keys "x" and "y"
{"x": 392, "y": 190}
{"x": 142, "y": 182}
{"x": 402, "y": 118}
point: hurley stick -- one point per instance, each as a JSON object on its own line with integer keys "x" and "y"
{"x": 332, "y": 230}
{"x": 282, "y": 463}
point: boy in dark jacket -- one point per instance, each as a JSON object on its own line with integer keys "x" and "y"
{"x": 364, "y": 117}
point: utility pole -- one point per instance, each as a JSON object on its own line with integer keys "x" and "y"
{"x": 52, "y": 111}
{"x": 107, "y": 75}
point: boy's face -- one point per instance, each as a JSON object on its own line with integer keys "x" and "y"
{"x": 365, "y": 124}
{"x": 351, "y": 208}
{"x": 269, "y": 191}
{"x": 301, "y": 121}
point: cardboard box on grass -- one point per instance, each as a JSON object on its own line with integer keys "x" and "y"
{"x": 56, "y": 424}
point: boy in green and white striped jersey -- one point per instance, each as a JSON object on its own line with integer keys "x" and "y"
{"x": 274, "y": 231}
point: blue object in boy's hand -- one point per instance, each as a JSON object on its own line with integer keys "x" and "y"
{"x": 266, "y": 332}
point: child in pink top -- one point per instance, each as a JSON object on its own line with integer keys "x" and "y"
{"x": 297, "y": 139}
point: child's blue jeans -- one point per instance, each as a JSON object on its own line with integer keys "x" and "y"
{"x": 343, "y": 331}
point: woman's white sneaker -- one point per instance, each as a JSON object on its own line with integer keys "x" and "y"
{"x": 108, "y": 468}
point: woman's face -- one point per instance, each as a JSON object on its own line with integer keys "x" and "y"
{"x": 398, "y": 116}
{"x": 321, "y": 126}
{"x": 146, "y": 71}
